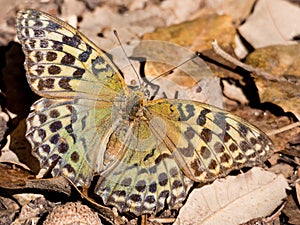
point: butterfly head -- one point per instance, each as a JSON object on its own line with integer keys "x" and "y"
{"x": 135, "y": 104}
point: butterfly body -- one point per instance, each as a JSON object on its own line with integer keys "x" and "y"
{"x": 148, "y": 152}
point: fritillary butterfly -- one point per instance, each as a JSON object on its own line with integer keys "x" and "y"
{"x": 148, "y": 152}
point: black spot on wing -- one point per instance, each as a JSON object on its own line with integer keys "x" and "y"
{"x": 52, "y": 26}
{"x": 186, "y": 111}
{"x": 84, "y": 56}
{"x": 98, "y": 66}
{"x": 201, "y": 120}
{"x": 149, "y": 155}
{"x": 72, "y": 41}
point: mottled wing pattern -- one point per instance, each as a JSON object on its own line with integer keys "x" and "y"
{"x": 62, "y": 62}
{"x": 79, "y": 84}
{"x": 144, "y": 181}
{"x": 146, "y": 177}
{"x": 207, "y": 142}
{"x": 178, "y": 142}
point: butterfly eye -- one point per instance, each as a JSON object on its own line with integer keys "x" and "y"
{"x": 147, "y": 93}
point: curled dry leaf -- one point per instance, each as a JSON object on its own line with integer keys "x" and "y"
{"x": 270, "y": 24}
{"x": 235, "y": 199}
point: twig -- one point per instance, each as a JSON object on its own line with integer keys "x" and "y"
{"x": 236, "y": 62}
{"x": 162, "y": 220}
{"x": 282, "y": 129}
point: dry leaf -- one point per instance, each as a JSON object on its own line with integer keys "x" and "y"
{"x": 197, "y": 34}
{"x": 235, "y": 199}
{"x": 193, "y": 80}
{"x": 101, "y": 23}
{"x": 273, "y": 22}
{"x": 280, "y": 61}
{"x": 292, "y": 211}
{"x": 283, "y": 94}
{"x": 133, "y": 23}
{"x": 238, "y": 10}
{"x": 183, "y": 10}
{"x": 297, "y": 186}
{"x": 12, "y": 176}
{"x": 282, "y": 168}
{"x": 31, "y": 211}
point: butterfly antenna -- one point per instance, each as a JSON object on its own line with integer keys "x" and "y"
{"x": 120, "y": 43}
{"x": 197, "y": 54}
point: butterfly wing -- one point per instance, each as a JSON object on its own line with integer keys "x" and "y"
{"x": 145, "y": 177}
{"x": 79, "y": 85}
{"x": 174, "y": 143}
{"x": 61, "y": 62}
{"x": 206, "y": 141}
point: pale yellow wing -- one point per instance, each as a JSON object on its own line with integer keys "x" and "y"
{"x": 62, "y": 63}
{"x": 72, "y": 123}
{"x": 144, "y": 178}
{"x": 207, "y": 142}
{"x": 173, "y": 143}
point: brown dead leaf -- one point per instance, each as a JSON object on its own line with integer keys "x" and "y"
{"x": 31, "y": 211}
{"x": 11, "y": 177}
{"x": 283, "y": 94}
{"x": 292, "y": 211}
{"x": 273, "y": 22}
{"x": 238, "y": 10}
{"x": 71, "y": 11}
{"x": 280, "y": 61}
{"x": 235, "y": 199}
{"x": 21, "y": 147}
{"x": 99, "y": 24}
{"x": 7, "y": 14}
{"x": 8, "y": 210}
{"x": 282, "y": 168}
{"x": 197, "y": 34}
{"x": 14, "y": 177}
{"x": 183, "y": 10}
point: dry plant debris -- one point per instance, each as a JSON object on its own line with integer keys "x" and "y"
{"x": 269, "y": 43}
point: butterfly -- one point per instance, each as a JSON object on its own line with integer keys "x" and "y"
{"x": 147, "y": 153}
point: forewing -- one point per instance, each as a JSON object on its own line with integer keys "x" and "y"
{"x": 70, "y": 126}
{"x": 62, "y": 62}
{"x": 206, "y": 141}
